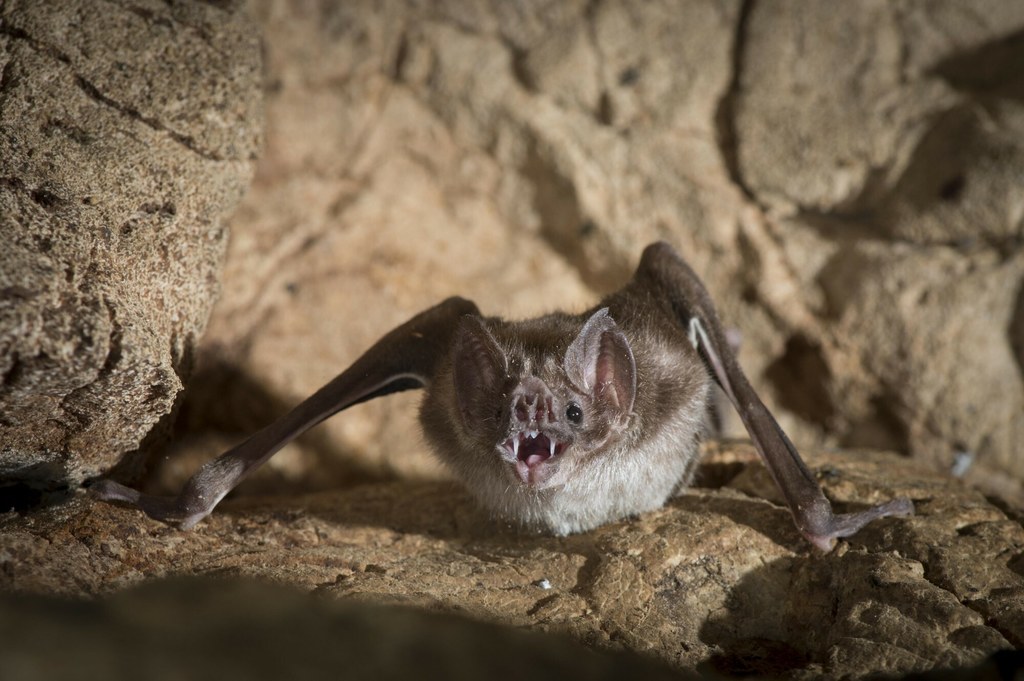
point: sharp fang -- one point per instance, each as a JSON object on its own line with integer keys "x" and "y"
{"x": 551, "y": 446}
{"x": 515, "y": 446}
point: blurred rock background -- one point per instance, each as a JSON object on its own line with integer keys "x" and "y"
{"x": 848, "y": 179}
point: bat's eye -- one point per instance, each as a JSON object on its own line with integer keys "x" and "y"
{"x": 574, "y": 413}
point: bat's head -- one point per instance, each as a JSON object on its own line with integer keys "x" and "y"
{"x": 542, "y": 398}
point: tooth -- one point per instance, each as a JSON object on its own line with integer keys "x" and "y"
{"x": 515, "y": 446}
{"x": 551, "y": 446}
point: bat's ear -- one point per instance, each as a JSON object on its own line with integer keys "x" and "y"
{"x": 479, "y": 368}
{"x": 600, "y": 362}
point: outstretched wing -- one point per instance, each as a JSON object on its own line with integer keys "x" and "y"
{"x": 670, "y": 279}
{"x": 402, "y": 360}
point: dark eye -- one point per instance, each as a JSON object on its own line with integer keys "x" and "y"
{"x": 574, "y": 413}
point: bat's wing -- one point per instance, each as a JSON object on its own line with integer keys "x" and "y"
{"x": 403, "y": 359}
{"x": 664, "y": 274}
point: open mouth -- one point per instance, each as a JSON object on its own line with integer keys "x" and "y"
{"x": 531, "y": 448}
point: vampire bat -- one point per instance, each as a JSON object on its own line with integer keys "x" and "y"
{"x": 559, "y": 423}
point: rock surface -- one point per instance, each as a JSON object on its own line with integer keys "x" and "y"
{"x": 229, "y": 629}
{"x": 126, "y": 134}
{"x": 718, "y": 577}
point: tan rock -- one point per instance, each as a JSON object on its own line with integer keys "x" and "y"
{"x": 117, "y": 165}
{"x": 885, "y": 142}
{"x": 719, "y": 576}
{"x": 855, "y": 211}
{"x": 239, "y": 629}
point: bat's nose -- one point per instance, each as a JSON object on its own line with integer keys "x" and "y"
{"x": 533, "y": 403}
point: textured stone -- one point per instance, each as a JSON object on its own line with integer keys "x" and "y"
{"x": 718, "y": 577}
{"x": 238, "y": 629}
{"x": 891, "y": 161}
{"x": 126, "y": 134}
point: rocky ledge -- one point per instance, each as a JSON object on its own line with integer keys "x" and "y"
{"x": 717, "y": 579}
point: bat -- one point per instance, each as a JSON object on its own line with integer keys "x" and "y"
{"x": 560, "y": 423}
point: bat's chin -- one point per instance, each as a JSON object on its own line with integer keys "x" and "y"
{"x": 533, "y": 455}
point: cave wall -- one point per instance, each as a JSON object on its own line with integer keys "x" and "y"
{"x": 126, "y": 136}
{"x": 847, "y": 180}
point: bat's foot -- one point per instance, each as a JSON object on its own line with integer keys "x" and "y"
{"x": 170, "y": 510}
{"x": 108, "y": 490}
{"x": 828, "y": 527}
